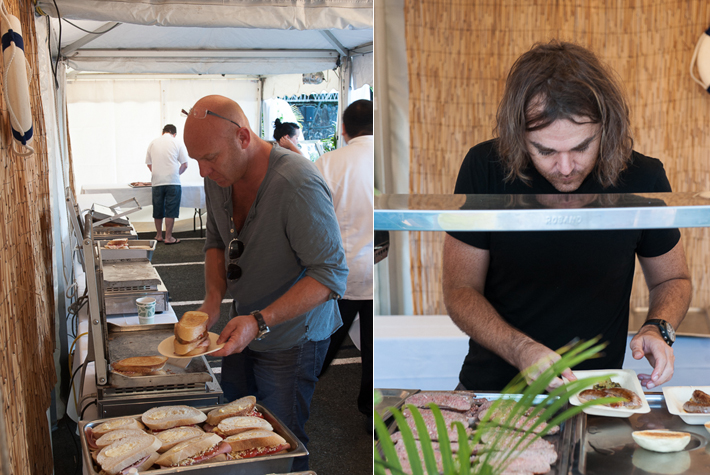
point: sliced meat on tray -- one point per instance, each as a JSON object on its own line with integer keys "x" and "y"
{"x": 430, "y": 422}
{"x": 523, "y": 423}
{"x": 404, "y": 457}
{"x": 451, "y": 400}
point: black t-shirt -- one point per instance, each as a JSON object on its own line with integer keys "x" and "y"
{"x": 556, "y": 286}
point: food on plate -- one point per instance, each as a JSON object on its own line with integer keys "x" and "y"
{"x": 140, "y": 365}
{"x": 207, "y": 447}
{"x": 454, "y": 401}
{"x": 699, "y": 403}
{"x": 111, "y": 437}
{"x": 117, "y": 244}
{"x": 140, "y": 183}
{"x": 606, "y": 384}
{"x": 135, "y": 451}
{"x": 167, "y": 417}
{"x": 255, "y": 443}
{"x": 191, "y": 336}
{"x": 661, "y": 440}
{"x": 241, "y": 407}
{"x": 174, "y": 436}
{"x": 631, "y": 399}
{"x": 235, "y": 425}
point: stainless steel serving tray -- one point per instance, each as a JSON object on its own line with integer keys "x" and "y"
{"x": 125, "y": 341}
{"x": 392, "y": 398}
{"x": 279, "y": 463}
{"x": 608, "y": 448}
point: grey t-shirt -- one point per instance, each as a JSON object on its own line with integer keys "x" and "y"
{"x": 290, "y": 232}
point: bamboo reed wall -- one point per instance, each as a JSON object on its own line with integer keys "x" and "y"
{"x": 459, "y": 53}
{"x": 26, "y": 299}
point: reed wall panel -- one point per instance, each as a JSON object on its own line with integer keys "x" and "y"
{"x": 459, "y": 53}
{"x": 27, "y": 327}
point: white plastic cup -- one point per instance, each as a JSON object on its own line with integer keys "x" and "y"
{"x": 146, "y": 310}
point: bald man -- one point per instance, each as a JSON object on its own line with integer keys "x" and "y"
{"x": 273, "y": 243}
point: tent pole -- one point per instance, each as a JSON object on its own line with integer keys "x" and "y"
{"x": 344, "y": 95}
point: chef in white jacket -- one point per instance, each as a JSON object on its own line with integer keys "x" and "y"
{"x": 349, "y": 173}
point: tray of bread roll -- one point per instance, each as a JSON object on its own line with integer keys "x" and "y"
{"x": 241, "y": 437}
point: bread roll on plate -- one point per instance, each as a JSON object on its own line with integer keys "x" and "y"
{"x": 661, "y": 440}
{"x": 191, "y": 336}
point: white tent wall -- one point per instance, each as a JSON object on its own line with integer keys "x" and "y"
{"x": 112, "y": 122}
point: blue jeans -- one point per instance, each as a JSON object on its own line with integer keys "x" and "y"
{"x": 282, "y": 381}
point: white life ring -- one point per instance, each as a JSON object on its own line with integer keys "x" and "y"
{"x": 15, "y": 82}
{"x": 701, "y": 60}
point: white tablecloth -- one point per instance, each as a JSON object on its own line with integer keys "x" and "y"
{"x": 193, "y": 194}
{"x": 426, "y": 352}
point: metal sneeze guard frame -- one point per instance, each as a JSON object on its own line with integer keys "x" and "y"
{"x": 529, "y": 212}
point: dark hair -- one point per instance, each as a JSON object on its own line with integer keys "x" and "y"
{"x": 284, "y": 128}
{"x": 170, "y": 128}
{"x": 357, "y": 118}
{"x": 561, "y": 80}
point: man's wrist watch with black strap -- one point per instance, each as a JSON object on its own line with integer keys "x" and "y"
{"x": 263, "y": 328}
{"x": 666, "y": 329}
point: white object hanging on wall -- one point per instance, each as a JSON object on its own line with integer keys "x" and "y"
{"x": 15, "y": 83}
{"x": 701, "y": 61}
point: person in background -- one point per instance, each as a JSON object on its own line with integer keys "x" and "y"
{"x": 286, "y": 135}
{"x": 273, "y": 243}
{"x": 167, "y": 160}
{"x": 349, "y": 172}
{"x": 563, "y": 129}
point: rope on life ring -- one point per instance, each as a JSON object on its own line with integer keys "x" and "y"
{"x": 15, "y": 81}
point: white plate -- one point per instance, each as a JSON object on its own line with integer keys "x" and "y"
{"x": 627, "y": 379}
{"x": 676, "y": 396}
{"x": 167, "y": 348}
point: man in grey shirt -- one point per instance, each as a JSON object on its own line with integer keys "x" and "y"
{"x": 274, "y": 243}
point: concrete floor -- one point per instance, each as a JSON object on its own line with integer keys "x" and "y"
{"x": 341, "y": 437}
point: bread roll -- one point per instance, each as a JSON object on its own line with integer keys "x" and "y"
{"x": 235, "y": 425}
{"x": 125, "y": 452}
{"x": 661, "y": 440}
{"x": 191, "y": 325}
{"x": 240, "y": 407}
{"x": 253, "y": 439}
{"x": 167, "y": 417}
{"x": 174, "y": 436}
{"x": 115, "y": 424}
{"x": 111, "y": 437}
{"x": 188, "y": 448}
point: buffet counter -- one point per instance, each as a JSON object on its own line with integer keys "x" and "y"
{"x": 426, "y": 352}
{"x": 592, "y": 444}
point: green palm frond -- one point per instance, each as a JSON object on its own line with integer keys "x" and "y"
{"x": 520, "y": 404}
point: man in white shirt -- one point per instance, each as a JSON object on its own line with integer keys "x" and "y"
{"x": 167, "y": 160}
{"x": 349, "y": 173}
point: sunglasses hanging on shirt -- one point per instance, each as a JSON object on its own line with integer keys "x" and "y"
{"x": 236, "y": 249}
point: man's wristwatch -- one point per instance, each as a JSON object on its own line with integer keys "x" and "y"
{"x": 263, "y": 329}
{"x": 666, "y": 329}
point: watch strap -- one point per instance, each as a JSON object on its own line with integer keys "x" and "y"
{"x": 263, "y": 328}
{"x": 662, "y": 328}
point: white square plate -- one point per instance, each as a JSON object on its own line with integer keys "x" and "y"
{"x": 627, "y": 379}
{"x": 676, "y": 396}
